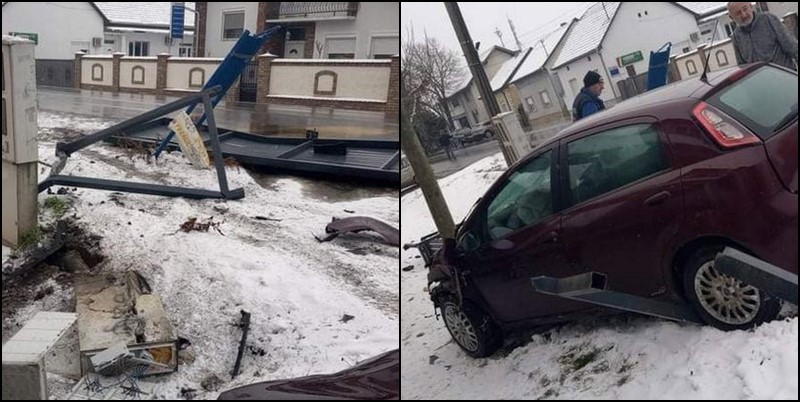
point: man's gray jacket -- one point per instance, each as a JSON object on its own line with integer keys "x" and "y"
{"x": 765, "y": 39}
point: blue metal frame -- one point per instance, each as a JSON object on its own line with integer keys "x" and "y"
{"x": 226, "y": 74}
{"x": 63, "y": 150}
{"x": 659, "y": 67}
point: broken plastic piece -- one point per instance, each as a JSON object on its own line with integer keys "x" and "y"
{"x": 360, "y": 223}
{"x": 105, "y": 361}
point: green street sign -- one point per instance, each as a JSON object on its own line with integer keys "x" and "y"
{"x": 32, "y": 36}
{"x": 631, "y": 58}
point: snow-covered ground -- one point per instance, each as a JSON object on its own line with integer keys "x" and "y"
{"x": 621, "y": 357}
{"x": 296, "y": 289}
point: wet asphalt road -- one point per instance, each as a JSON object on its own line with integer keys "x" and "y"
{"x": 271, "y": 120}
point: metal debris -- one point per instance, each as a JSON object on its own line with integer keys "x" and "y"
{"x": 245, "y": 324}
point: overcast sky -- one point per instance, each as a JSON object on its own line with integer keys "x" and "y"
{"x": 531, "y": 20}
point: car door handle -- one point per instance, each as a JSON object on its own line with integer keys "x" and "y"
{"x": 657, "y": 199}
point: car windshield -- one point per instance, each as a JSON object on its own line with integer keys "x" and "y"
{"x": 763, "y": 100}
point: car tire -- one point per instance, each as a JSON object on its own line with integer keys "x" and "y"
{"x": 721, "y": 300}
{"x": 470, "y": 327}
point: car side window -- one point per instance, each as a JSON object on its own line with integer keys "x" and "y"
{"x": 524, "y": 200}
{"x": 611, "y": 159}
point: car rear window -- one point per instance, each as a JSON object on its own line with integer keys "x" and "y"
{"x": 760, "y": 100}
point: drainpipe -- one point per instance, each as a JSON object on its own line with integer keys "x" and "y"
{"x": 196, "y": 30}
{"x": 605, "y": 72}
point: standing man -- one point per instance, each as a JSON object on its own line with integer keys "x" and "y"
{"x": 761, "y": 37}
{"x": 444, "y": 141}
{"x": 588, "y": 101}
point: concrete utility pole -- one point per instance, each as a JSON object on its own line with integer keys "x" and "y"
{"x": 425, "y": 178}
{"x": 475, "y": 66}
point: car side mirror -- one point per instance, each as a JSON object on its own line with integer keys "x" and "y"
{"x": 468, "y": 242}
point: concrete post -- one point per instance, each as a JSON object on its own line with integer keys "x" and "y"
{"x": 161, "y": 72}
{"x": 393, "y": 95}
{"x": 264, "y": 68}
{"x": 78, "y": 64}
{"x": 117, "y": 57}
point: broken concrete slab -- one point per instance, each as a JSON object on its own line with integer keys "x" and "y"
{"x": 24, "y": 374}
{"x": 110, "y": 314}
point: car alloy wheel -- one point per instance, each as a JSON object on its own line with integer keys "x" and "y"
{"x": 460, "y": 327}
{"x": 724, "y": 297}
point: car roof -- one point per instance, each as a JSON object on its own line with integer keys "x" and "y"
{"x": 688, "y": 89}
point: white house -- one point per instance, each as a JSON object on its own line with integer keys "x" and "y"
{"x": 62, "y": 28}
{"x": 319, "y": 30}
{"x": 615, "y": 40}
{"x": 537, "y": 89}
{"x": 463, "y": 99}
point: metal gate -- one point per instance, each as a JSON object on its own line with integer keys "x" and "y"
{"x": 56, "y": 73}
{"x": 248, "y": 83}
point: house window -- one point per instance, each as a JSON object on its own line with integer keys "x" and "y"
{"x": 197, "y": 76}
{"x": 531, "y": 105}
{"x": 574, "y": 86}
{"x": 463, "y": 122}
{"x": 341, "y": 48}
{"x": 384, "y": 47}
{"x": 97, "y": 72}
{"x": 185, "y": 50}
{"x": 232, "y": 25}
{"x": 108, "y": 41}
{"x": 454, "y": 102}
{"x": 137, "y": 75}
{"x": 475, "y": 114}
{"x": 686, "y": 50}
{"x": 545, "y": 98}
{"x": 722, "y": 58}
{"x": 138, "y": 48}
{"x": 691, "y": 68}
{"x": 729, "y": 27}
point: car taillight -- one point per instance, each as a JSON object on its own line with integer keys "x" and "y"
{"x": 726, "y": 131}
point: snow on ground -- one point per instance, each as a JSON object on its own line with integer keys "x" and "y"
{"x": 296, "y": 289}
{"x": 619, "y": 357}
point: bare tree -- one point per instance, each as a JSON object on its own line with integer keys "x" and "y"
{"x": 430, "y": 70}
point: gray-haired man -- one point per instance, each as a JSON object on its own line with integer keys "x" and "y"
{"x": 761, "y": 37}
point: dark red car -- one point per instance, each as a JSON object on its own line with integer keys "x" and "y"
{"x": 647, "y": 192}
{"x": 377, "y": 378}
